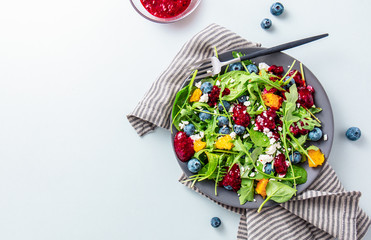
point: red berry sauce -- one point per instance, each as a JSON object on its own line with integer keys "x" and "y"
{"x": 165, "y": 8}
{"x": 233, "y": 178}
{"x": 240, "y": 116}
{"x": 183, "y": 146}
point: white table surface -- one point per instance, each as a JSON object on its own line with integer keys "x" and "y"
{"x": 71, "y": 165}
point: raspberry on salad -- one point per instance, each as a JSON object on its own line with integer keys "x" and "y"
{"x": 233, "y": 178}
{"x": 240, "y": 115}
{"x": 266, "y": 119}
{"x": 183, "y": 146}
{"x": 280, "y": 165}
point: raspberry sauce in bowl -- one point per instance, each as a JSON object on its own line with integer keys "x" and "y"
{"x": 165, "y": 8}
{"x": 164, "y": 11}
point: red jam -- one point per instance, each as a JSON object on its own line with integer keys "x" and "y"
{"x": 165, "y": 8}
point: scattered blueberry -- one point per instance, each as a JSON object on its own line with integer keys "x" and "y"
{"x": 353, "y": 133}
{"x": 238, "y": 129}
{"x": 288, "y": 85}
{"x": 315, "y": 134}
{"x": 268, "y": 168}
{"x": 295, "y": 157}
{"x": 266, "y": 23}
{"x": 252, "y": 68}
{"x": 242, "y": 99}
{"x": 228, "y": 187}
{"x": 194, "y": 165}
{"x": 235, "y": 67}
{"x": 205, "y": 116}
{"x": 215, "y": 222}
{"x": 277, "y": 9}
{"x": 206, "y": 87}
{"x": 224, "y": 130}
{"x": 189, "y": 129}
{"x": 226, "y": 105}
{"x": 222, "y": 121}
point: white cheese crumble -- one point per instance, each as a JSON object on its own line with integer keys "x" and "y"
{"x": 217, "y": 83}
{"x": 264, "y": 158}
{"x": 252, "y": 174}
{"x": 263, "y": 66}
{"x": 198, "y": 84}
{"x": 233, "y": 135}
{"x": 231, "y": 109}
{"x": 256, "y": 128}
{"x": 204, "y": 98}
{"x": 182, "y": 124}
{"x": 325, "y": 137}
{"x": 245, "y": 136}
{"x": 247, "y": 103}
{"x": 195, "y": 137}
{"x": 279, "y": 129}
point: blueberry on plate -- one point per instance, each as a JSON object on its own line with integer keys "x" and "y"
{"x": 277, "y": 9}
{"x": 206, "y": 87}
{"x": 226, "y": 105}
{"x": 252, "y": 68}
{"x": 189, "y": 129}
{"x": 268, "y": 168}
{"x": 224, "y": 130}
{"x": 235, "y": 66}
{"x": 295, "y": 157}
{"x": 266, "y": 23}
{"x": 215, "y": 222}
{"x": 222, "y": 121}
{"x": 238, "y": 129}
{"x": 315, "y": 134}
{"x": 194, "y": 165}
{"x": 353, "y": 133}
{"x": 242, "y": 99}
{"x": 204, "y": 116}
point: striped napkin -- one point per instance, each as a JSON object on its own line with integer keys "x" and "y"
{"x": 324, "y": 211}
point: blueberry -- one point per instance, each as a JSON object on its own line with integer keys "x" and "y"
{"x": 315, "y": 134}
{"x": 353, "y": 133}
{"x": 194, "y": 165}
{"x": 222, "y": 121}
{"x": 235, "y": 67}
{"x": 238, "y": 129}
{"x": 224, "y": 130}
{"x": 268, "y": 168}
{"x": 226, "y": 105}
{"x": 296, "y": 156}
{"x": 228, "y": 187}
{"x": 252, "y": 68}
{"x": 277, "y": 9}
{"x": 189, "y": 129}
{"x": 215, "y": 222}
{"x": 204, "y": 116}
{"x": 288, "y": 85}
{"x": 242, "y": 99}
{"x": 206, "y": 87}
{"x": 266, "y": 23}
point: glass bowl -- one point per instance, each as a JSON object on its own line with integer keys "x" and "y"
{"x": 137, "y": 4}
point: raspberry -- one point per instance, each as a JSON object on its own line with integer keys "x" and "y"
{"x": 276, "y": 70}
{"x": 240, "y": 116}
{"x": 214, "y": 96}
{"x": 266, "y": 119}
{"x": 294, "y": 128}
{"x": 280, "y": 165}
{"x": 233, "y": 178}
{"x": 183, "y": 146}
{"x": 226, "y": 92}
{"x": 305, "y": 96}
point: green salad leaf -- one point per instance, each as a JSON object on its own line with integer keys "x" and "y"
{"x": 278, "y": 192}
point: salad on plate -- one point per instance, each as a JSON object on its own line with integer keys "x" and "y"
{"x": 247, "y": 128}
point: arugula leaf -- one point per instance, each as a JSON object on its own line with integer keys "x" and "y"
{"x": 259, "y": 138}
{"x": 298, "y": 171}
{"x": 240, "y": 54}
{"x": 211, "y": 165}
{"x": 246, "y": 191}
{"x": 277, "y": 192}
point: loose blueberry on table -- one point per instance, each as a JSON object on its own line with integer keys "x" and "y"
{"x": 353, "y": 133}
{"x": 215, "y": 222}
{"x": 277, "y": 9}
{"x": 266, "y": 23}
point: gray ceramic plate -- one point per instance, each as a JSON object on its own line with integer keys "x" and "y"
{"x": 321, "y": 100}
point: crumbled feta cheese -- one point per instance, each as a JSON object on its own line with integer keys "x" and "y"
{"x": 263, "y": 66}
{"x": 231, "y": 109}
{"x": 202, "y": 134}
{"x": 265, "y": 114}
{"x": 195, "y": 137}
{"x": 247, "y": 103}
{"x": 233, "y": 135}
{"x": 256, "y": 128}
{"x": 182, "y": 124}
{"x": 325, "y": 137}
{"x": 260, "y": 108}
{"x": 272, "y": 140}
{"x": 266, "y": 130}
{"x": 279, "y": 129}
{"x": 270, "y": 134}
{"x": 298, "y": 105}
{"x": 198, "y": 84}
{"x": 252, "y": 174}
{"x": 245, "y": 136}
{"x": 252, "y": 122}
{"x": 264, "y": 158}
{"x": 232, "y": 80}
{"x": 272, "y": 148}
{"x": 204, "y": 98}
{"x": 254, "y": 200}
{"x": 217, "y": 83}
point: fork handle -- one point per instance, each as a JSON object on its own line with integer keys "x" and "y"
{"x": 282, "y": 47}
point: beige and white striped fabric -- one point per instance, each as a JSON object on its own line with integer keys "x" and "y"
{"x": 324, "y": 211}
